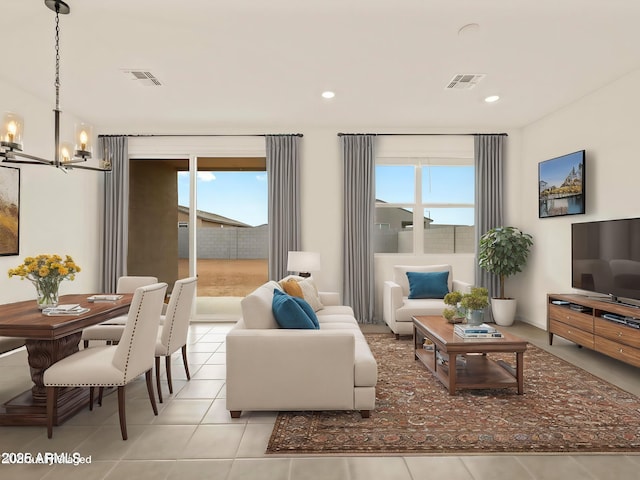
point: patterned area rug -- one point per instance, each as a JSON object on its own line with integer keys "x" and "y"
{"x": 563, "y": 409}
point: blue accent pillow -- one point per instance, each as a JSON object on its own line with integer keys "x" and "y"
{"x": 293, "y": 312}
{"x": 428, "y": 284}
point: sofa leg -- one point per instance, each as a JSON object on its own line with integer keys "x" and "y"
{"x": 365, "y": 413}
{"x": 235, "y": 413}
{"x": 397, "y": 336}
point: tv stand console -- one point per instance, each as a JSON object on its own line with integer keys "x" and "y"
{"x": 609, "y": 328}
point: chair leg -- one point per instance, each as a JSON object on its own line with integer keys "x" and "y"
{"x": 91, "y": 392}
{"x": 100, "y": 393}
{"x": 167, "y": 364}
{"x": 52, "y": 396}
{"x": 184, "y": 361}
{"x": 158, "y": 379}
{"x": 152, "y": 398}
{"x": 121, "y": 412}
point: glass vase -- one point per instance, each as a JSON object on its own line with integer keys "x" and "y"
{"x": 475, "y": 317}
{"x": 47, "y": 294}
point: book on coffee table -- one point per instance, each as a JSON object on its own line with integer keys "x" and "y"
{"x": 482, "y": 328}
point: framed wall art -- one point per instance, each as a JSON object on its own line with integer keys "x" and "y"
{"x": 9, "y": 210}
{"x": 561, "y": 185}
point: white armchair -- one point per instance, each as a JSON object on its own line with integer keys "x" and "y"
{"x": 398, "y": 309}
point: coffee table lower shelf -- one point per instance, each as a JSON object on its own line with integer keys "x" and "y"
{"x": 478, "y": 372}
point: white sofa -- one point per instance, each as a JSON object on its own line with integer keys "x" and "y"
{"x": 276, "y": 369}
{"x": 398, "y": 309}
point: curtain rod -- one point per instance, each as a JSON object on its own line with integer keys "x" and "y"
{"x": 205, "y": 135}
{"x": 420, "y": 134}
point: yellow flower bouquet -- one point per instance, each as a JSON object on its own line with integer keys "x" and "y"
{"x": 46, "y": 272}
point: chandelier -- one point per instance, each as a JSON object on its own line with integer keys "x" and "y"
{"x": 66, "y": 156}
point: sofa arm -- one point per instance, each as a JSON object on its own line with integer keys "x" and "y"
{"x": 391, "y": 301}
{"x": 290, "y": 369}
{"x": 329, "y": 298}
{"x": 462, "y": 287}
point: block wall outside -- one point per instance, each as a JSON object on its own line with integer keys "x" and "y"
{"x": 227, "y": 243}
{"x": 437, "y": 239}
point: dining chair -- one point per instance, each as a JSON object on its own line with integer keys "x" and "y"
{"x": 126, "y": 284}
{"x": 174, "y": 328}
{"x": 113, "y": 365}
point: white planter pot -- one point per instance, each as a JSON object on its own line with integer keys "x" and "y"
{"x": 504, "y": 311}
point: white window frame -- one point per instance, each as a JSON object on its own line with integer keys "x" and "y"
{"x": 418, "y": 162}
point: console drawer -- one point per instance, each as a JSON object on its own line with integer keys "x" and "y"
{"x": 572, "y": 333}
{"x": 617, "y": 332}
{"x": 616, "y": 350}
{"x": 583, "y": 321}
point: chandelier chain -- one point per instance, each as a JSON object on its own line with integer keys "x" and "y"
{"x": 57, "y": 82}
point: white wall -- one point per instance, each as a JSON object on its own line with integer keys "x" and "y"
{"x": 59, "y": 213}
{"x": 605, "y": 124}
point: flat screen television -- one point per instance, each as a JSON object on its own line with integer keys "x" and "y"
{"x": 561, "y": 185}
{"x": 605, "y": 258}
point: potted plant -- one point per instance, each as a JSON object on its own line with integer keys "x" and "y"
{"x": 474, "y": 303}
{"x": 456, "y": 313}
{"x": 504, "y": 251}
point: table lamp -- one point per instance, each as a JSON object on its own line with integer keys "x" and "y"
{"x": 303, "y": 262}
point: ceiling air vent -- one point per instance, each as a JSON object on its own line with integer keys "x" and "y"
{"x": 144, "y": 78}
{"x": 465, "y": 81}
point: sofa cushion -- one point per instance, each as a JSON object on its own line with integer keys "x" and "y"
{"x": 256, "y": 307}
{"x": 400, "y": 274}
{"x": 293, "y": 312}
{"x": 336, "y": 311}
{"x": 428, "y": 284}
{"x": 292, "y": 287}
{"x": 309, "y": 290}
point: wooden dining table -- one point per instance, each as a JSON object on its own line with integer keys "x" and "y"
{"x": 48, "y": 340}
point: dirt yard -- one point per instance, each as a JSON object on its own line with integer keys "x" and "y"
{"x": 227, "y": 278}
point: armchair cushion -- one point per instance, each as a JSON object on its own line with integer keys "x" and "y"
{"x": 400, "y": 274}
{"x": 293, "y": 312}
{"x": 428, "y": 284}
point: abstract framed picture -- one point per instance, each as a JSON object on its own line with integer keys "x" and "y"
{"x": 561, "y": 183}
{"x": 9, "y": 210}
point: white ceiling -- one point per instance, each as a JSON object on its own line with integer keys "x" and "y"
{"x": 257, "y": 64}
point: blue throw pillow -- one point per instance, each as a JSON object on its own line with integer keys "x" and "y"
{"x": 428, "y": 284}
{"x": 293, "y": 312}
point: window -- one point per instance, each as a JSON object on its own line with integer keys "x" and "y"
{"x": 424, "y": 205}
{"x": 231, "y": 227}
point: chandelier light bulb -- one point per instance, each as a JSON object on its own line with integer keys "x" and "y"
{"x": 83, "y": 140}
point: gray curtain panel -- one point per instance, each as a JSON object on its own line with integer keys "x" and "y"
{"x": 283, "y": 173}
{"x": 359, "y": 214}
{"x": 116, "y": 211}
{"x": 489, "y": 197}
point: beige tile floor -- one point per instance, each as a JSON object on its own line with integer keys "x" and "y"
{"x": 193, "y": 436}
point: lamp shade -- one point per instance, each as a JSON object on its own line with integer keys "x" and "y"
{"x": 303, "y": 262}
{"x": 12, "y": 125}
{"x": 84, "y": 140}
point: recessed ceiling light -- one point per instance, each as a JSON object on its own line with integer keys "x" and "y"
{"x": 492, "y": 98}
{"x": 328, "y": 94}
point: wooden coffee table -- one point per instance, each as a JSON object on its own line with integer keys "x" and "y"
{"x": 473, "y": 368}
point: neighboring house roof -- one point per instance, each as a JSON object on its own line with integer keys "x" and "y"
{"x": 408, "y": 212}
{"x": 214, "y": 218}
